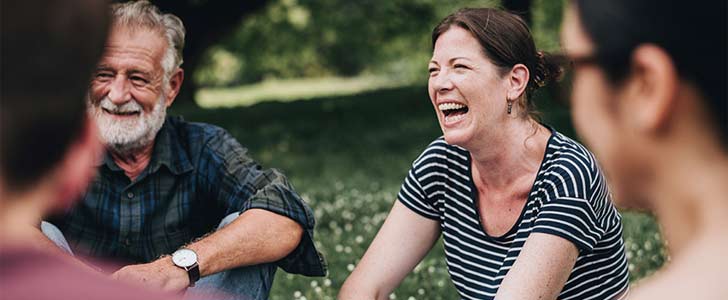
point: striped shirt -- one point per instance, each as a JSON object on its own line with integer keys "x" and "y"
{"x": 569, "y": 199}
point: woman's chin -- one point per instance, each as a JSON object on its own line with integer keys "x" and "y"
{"x": 457, "y": 137}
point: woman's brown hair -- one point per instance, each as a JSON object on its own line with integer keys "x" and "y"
{"x": 506, "y": 41}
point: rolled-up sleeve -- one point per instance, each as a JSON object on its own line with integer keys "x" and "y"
{"x": 241, "y": 184}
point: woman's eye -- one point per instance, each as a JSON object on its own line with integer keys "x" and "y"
{"x": 459, "y": 66}
{"x": 431, "y": 70}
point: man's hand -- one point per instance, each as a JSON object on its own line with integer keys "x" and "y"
{"x": 160, "y": 274}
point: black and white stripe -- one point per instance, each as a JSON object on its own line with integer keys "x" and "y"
{"x": 569, "y": 199}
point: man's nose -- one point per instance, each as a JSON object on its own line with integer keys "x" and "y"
{"x": 119, "y": 91}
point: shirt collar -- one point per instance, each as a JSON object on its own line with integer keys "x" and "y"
{"x": 168, "y": 151}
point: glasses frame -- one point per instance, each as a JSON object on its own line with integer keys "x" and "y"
{"x": 569, "y": 64}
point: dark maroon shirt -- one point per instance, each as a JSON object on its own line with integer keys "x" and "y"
{"x": 33, "y": 275}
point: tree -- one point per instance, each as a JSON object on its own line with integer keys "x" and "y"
{"x": 206, "y": 22}
{"x": 314, "y": 38}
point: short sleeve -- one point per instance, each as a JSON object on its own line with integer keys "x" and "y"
{"x": 575, "y": 204}
{"x": 413, "y": 197}
{"x": 572, "y": 219}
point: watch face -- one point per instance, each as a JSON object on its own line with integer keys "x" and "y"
{"x": 184, "y": 258}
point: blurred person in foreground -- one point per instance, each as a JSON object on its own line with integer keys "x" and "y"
{"x": 649, "y": 97}
{"x": 47, "y": 144}
{"x": 524, "y": 211}
{"x": 176, "y": 202}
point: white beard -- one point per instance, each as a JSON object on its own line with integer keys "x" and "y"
{"x": 133, "y": 133}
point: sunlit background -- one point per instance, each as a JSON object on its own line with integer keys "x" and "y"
{"x": 333, "y": 92}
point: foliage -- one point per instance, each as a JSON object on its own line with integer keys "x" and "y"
{"x": 313, "y": 38}
{"x": 347, "y": 156}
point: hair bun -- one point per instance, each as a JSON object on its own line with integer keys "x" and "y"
{"x": 548, "y": 69}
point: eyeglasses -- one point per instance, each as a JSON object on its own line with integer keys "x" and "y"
{"x": 569, "y": 64}
{"x": 614, "y": 63}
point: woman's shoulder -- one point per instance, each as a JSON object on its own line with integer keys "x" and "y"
{"x": 688, "y": 277}
{"x": 563, "y": 151}
{"x": 440, "y": 157}
{"x": 571, "y": 168}
{"x": 440, "y": 151}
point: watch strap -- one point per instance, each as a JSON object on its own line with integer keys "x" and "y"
{"x": 194, "y": 273}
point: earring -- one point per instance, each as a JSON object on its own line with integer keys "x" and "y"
{"x": 510, "y": 106}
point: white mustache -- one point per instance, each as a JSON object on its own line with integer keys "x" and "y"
{"x": 129, "y": 107}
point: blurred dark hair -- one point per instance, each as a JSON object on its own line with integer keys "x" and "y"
{"x": 506, "y": 41}
{"x": 49, "y": 49}
{"x": 693, "y": 34}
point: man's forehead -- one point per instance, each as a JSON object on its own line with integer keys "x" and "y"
{"x": 136, "y": 36}
{"x": 136, "y": 44}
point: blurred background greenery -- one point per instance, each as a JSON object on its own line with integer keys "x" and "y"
{"x": 333, "y": 93}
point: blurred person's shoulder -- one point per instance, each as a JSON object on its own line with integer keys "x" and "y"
{"x": 698, "y": 273}
{"x": 32, "y": 274}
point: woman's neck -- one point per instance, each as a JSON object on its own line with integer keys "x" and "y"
{"x": 509, "y": 156}
{"x": 690, "y": 198}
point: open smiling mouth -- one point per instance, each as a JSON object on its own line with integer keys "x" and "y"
{"x": 453, "y": 111}
{"x": 121, "y": 113}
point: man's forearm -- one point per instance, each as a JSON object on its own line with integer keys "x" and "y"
{"x": 256, "y": 236}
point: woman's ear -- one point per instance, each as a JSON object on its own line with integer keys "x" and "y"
{"x": 651, "y": 90}
{"x": 517, "y": 81}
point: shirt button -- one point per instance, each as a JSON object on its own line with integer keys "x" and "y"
{"x": 130, "y": 195}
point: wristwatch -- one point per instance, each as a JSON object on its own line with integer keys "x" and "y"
{"x": 187, "y": 260}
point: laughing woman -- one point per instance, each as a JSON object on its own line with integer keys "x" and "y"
{"x": 524, "y": 211}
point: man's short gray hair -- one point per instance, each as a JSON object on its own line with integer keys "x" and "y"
{"x": 144, "y": 15}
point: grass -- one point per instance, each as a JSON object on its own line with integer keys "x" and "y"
{"x": 291, "y": 89}
{"x": 347, "y": 156}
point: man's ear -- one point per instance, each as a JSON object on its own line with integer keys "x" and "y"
{"x": 517, "y": 81}
{"x": 78, "y": 166}
{"x": 651, "y": 90}
{"x": 175, "y": 83}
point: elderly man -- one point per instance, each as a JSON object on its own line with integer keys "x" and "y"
{"x": 166, "y": 184}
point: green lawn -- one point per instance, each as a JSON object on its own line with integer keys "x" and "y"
{"x": 347, "y": 156}
{"x": 291, "y": 90}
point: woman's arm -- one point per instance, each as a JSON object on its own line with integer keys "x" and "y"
{"x": 541, "y": 269}
{"x": 402, "y": 242}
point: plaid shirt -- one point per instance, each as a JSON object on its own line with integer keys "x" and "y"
{"x": 197, "y": 175}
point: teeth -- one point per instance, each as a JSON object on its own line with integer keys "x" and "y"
{"x": 449, "y": 119}
{"x": 121, "y": 112}
{"x": 450, "y": 106}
